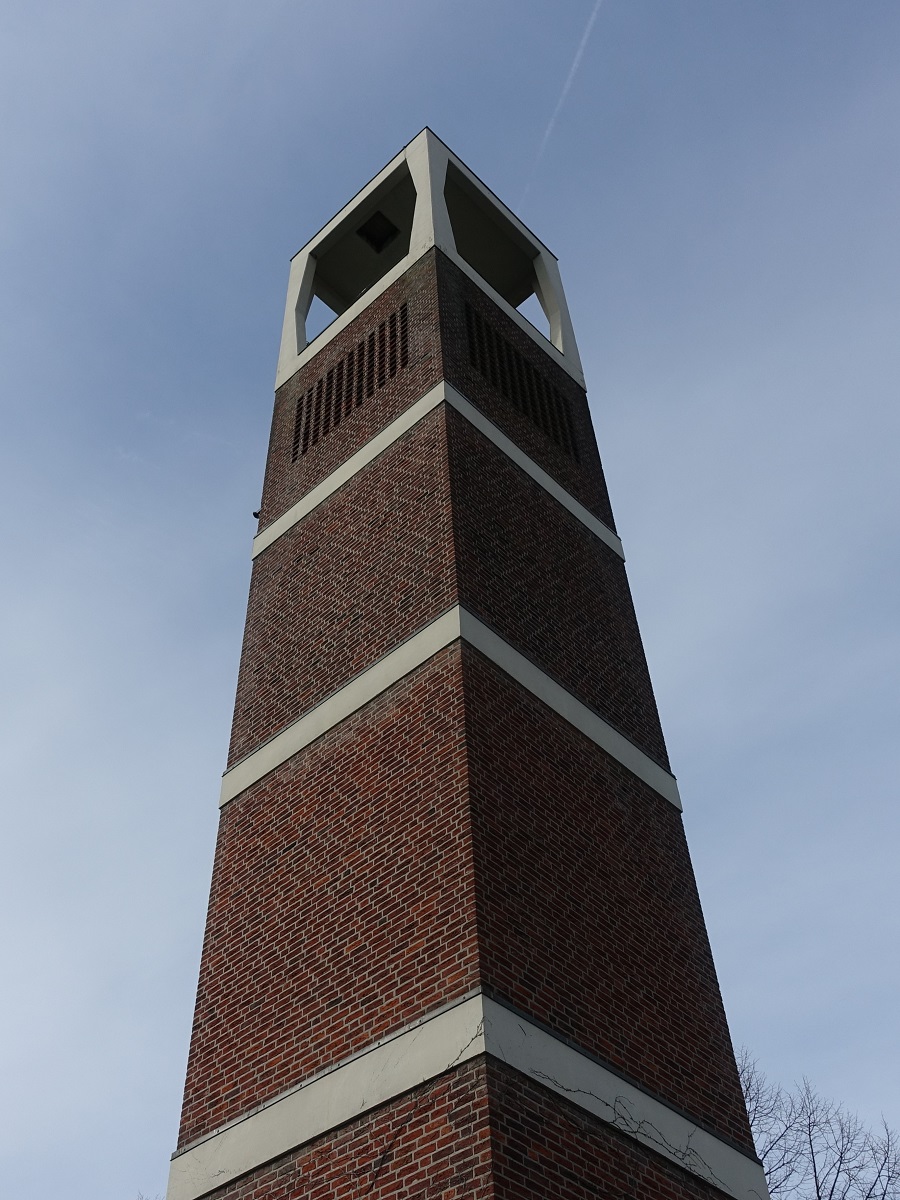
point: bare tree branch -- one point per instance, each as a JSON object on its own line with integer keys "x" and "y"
{"x": 812, "y": 1148}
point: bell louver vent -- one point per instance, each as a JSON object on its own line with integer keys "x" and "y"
{"x": 355, "y": 378}
{"x": 517, "y": 381}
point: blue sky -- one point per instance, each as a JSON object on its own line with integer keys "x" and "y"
{"x": 721, "y": 186}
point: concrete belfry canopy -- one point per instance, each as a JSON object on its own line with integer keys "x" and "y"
{"x": 424, "y": 197}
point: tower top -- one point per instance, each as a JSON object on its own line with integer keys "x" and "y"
{"x": 425, "y": 197}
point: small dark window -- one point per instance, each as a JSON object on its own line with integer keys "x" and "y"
{"x": 378, "y": 232}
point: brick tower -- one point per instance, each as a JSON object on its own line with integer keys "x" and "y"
{"x": 454, "y": 947}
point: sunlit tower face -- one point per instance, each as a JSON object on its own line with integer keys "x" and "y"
{"x": 454, "y": 946}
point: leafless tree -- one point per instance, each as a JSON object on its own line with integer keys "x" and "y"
{"x": 812, "y": 1148}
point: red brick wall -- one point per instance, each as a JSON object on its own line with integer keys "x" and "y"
{"x": 531, "y": 571}
{"x": 376, "y": 561}
{"x": 479, "y": 1132}
{"x": 362, "y": 572}
{"x": 431, "y": 1144}
{"x": 583, "y": 479}
{"x": 437, "y": 350}
{"x": 542, "y": 1146}
{"x": 286, "y": 481}
{"x": 453, "y": 831}
{"x": 588, "y": 915}
{"x": 342, "y": 900}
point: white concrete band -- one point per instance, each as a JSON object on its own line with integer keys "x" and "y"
{"x": 452, "y": 625}
{"x": 582, "y": 1081}
{"x": 477, "y": 418}
{"x": 442, "y": 392}
{"x": 565, "y": 705}
{"x": 425, "y": 1050}
{"x": 345, "y": 472}
{"x": 341, "y": 704}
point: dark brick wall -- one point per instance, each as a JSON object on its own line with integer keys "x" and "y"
{"x": 454, "y": 831}
{"x": 416, "y": 531}
{"x": 588, "y": 915}
{"x": 479, "y": 1132}
{"x": 286, "y": 481}
{"x": 342, "y": 903}
{"x": 583, "y": 479}
{"x": 432, "y": 1144}
{"x": 362, "y": 572}
{"x": 542, "y": 1146}
{"x": 375, "y": 562}
{"x": 531, "y": 571}
{"x": 435, "y": 291}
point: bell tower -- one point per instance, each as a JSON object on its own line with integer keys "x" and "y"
{"x": 454, "y": 946}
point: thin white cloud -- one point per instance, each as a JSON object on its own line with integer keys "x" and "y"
{"x": 563, "y": 95}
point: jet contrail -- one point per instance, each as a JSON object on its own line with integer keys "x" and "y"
{"x": 573, "y": 70}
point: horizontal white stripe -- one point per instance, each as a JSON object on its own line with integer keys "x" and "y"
{"x": 455, "y": 623}
{"x": 579, "y": 1079}
{"x": 564, "y": 703}
{"x": 348, "y": 469}
{"x": 359, "y": 691}
{"x": 477, "y": 418}
{"x": 396, "y": 429}
{"x": 387, "y": 1069}
{"x": 427, "y": 1049}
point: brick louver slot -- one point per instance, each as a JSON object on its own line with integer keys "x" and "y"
{"x": 529, "y": 392}
{"x": 375, "y": 359}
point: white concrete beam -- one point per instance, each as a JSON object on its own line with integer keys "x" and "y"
{"x": 386, "y": 437}
{"x": 427, "y": 1049}
{"x": 450, "y": 627}
{"x": 427, "y": 158}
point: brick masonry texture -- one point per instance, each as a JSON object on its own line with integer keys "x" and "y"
{"x": 441, "y": 517}
{"x": 362, "y": 572}
{"x": 479, "y": 1132}
{"x": 583, "y": 479}
{"x": 588, "y": 914}
{"x": 376, "y": 561}
{"x": 454, "y": 832}
{"x": 342, "y": 902}
{"x": 531, "y": 571}
{"x": 286, "y": 481}
{"x": 347, "y": 883}
{"x": 432, "y": 1144}
{"x": 542, "y": 1147}
{"x": 437, "y": 350}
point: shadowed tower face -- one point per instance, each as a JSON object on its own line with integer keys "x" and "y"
{"x": 454, "y": 946}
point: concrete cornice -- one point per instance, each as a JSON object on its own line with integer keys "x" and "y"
{"x": 440, "y": 394}
{"x": 427, "y": 1049}
{"x": 455, "y": 624}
